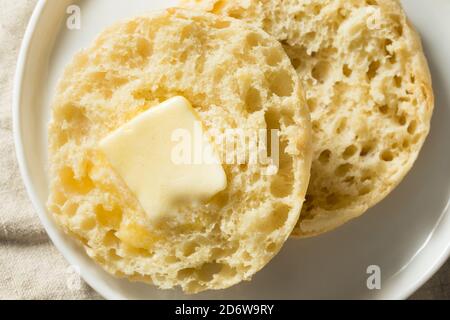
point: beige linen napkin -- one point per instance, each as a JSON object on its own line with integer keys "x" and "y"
{"x": 30, "y": 266}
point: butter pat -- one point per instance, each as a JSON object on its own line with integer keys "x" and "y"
{"x": 141, "y": 152}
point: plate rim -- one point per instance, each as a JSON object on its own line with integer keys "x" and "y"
{"x": 397, "y": 293}
{"x": 18, "y": 84}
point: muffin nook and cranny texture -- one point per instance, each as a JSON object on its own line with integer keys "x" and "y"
{"x": 368, "y": 88}
{"x": 236, "y": 76}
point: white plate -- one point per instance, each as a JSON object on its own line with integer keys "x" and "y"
{"x": 407, "y": 235}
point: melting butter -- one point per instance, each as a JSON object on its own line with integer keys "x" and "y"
{"x": 142, "y": 153}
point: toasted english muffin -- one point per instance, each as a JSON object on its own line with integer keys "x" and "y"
{"x": 368, "y": 88}
{"x": 235, "y": 76}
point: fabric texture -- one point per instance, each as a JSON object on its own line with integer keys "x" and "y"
{"x": 30, "y": 266}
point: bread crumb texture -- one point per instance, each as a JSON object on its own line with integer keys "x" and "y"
{"x": 220, "y": 65}
{"x": 368, "y": 88}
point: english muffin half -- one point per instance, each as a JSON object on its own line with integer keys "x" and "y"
{"x": 235, "y": 76}
{"x": 368, "y": 88}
